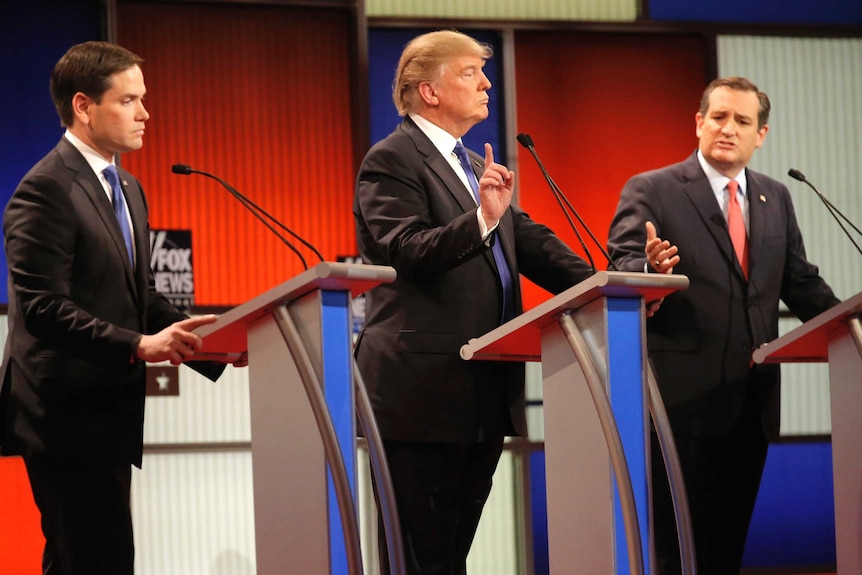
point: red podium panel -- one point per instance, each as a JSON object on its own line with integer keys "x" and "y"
{"x": 835, "y": 336}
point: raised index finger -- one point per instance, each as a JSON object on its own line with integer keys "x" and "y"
{"x": 489, "y": 155}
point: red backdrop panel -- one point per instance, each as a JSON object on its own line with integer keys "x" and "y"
{"x": 600, "y": 109}
{"x": 259, "y": 96}
{"x": 21, "y": 540}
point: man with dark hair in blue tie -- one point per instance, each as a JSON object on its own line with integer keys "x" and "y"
{"x": 84, "y": 316}
{"x": 442, "y": 217}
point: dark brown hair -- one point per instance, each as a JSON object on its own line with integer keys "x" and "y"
{"x": 741, "y": 85}
{"x": 87, "y": 68}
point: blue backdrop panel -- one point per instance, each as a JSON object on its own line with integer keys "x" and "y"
{"x": 33, "y": 36}
{"x": 384, "y": 49}
{"x": 839, "y": 12}
{"x": 794, "y": 518}
{"x": 539, "y": 512}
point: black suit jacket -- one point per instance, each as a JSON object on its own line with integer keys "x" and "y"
{"x": 413, "y": 213}
{"x": 76, "y": 309}
{"x": 701, "y": 339}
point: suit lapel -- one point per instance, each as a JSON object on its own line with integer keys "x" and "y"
{"x": 698, "y": 190}
{"x": 440, "y": 166}
{"x": 453, "y": 184}
{"x": 92, "y": 186}
{"x": 758, "y": 209}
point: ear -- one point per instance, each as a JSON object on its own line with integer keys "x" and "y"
{"x": 698, "y": 123}
{"x": 428, "y": 93}
{"x": 81, "y": 104}
{"x": 761, "y": 134}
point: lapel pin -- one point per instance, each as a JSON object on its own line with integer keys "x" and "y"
{"x": 125, "y": 183}
{"x": 762, "y": 198}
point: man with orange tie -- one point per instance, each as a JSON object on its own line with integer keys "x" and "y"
{"x": 733, "y": 232}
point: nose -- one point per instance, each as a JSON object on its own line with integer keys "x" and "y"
{"x": 485, "y": 84}
{"x": 142, "y": 113}
{"x": 729, "y": 128}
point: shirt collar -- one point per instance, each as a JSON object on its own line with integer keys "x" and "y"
{"x": 717, "y": 180}
{"x": 442, "y": 140}
{"x": 96, "y": 161}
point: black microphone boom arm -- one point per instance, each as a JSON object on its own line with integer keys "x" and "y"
{"x": 833, "y": 211}
{"x": 256, "y": 211}
{"x": 526, "y": 141}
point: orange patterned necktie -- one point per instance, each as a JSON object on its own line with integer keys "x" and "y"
{"x": 736, "y": 226}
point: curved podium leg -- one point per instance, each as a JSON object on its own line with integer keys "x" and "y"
{"x": 687, "y": 557}
{"x": 380, "y": 468}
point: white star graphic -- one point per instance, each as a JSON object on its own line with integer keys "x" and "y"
{"x": 164, "y": 382}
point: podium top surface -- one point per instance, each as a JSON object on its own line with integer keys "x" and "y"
{"x": 521, "y": 338}
{"x": 228, "y": 334}
{"x": 810, "y": 341}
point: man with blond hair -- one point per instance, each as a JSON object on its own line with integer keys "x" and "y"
{"x": 442, "y": 217}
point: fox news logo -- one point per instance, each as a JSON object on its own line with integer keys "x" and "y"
{"x": 171, "y": 261}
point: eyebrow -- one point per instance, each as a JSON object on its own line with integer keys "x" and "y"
{"x": 726, "y": 112}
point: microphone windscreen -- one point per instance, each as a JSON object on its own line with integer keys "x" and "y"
{"x": 525, "y": 140}
{"x": 181, "y": 169}
{"x": 796, "y": 175}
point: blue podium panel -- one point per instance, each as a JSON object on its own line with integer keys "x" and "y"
{"x": 627, "y": 393}
{"x": 338, "y": 390}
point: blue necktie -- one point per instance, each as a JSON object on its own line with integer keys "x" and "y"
{"x": 497, "y": 249}
{"x": 119, "y": 202}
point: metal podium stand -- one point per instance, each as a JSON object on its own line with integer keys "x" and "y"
{"x": 836, "y": 336}
{"x": 298, "y": 338}
{"x": 592, "y": 345}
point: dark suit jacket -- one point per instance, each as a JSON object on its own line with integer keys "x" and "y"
{"x": 701, "y": 340}
{"x": 413, "y": 213}
{"x": 76, "y": 308}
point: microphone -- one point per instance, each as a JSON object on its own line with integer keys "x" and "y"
{"x": 526, "y": 141}
{"x": 833, "y": 211}
{"x": 256, "y": 211}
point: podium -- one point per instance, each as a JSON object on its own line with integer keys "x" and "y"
{"x": 591, "y": 342}
{"x": 299, "y": 341}
{"x": 836, "y": 336}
